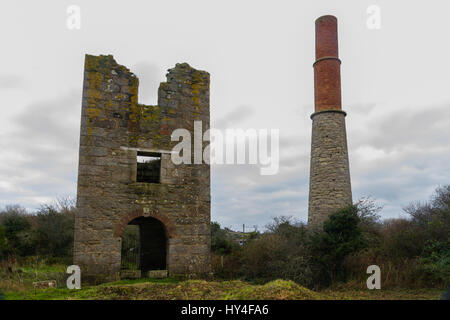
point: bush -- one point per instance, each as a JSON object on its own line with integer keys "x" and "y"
{"x": 369, "y": 220}
{"x": 49, "y": 232}
{"x": 411, "y": 252}
{"x": 55, "y": 231}
{"x": 280, "y": 253}
{"x": 288, "y": 250}
{"x": 436, "y": 262}
{"x": 227, "y": 266}
{"x": 17, "y": 231}
{"x": 3, "y": 242}
{"x": 220, "y": 244}
{"x": 340, "y": 238}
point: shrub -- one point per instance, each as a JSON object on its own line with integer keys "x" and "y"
{"x": 3, "y": 241}
{"x": 55, "y": 231}
{"x": 280, "y": 253}
{"x": 17, "y": 231}
{"x": 412, "y": 252}
{"x": 341, "y": 237}
{"x": 49, "y": 232}
{"x": 220, "y": 244}
{"x": 369, "y": 220}
{"x": 228, "y": 266}
{"x": 436, "y": 262}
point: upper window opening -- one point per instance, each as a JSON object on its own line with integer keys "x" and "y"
{"x": 148, "y": 167}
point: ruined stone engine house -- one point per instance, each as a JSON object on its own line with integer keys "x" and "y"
{"x": 169, "y": 203}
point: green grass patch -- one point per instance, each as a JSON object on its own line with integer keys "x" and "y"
{"x": 172, "y": 289}
{"x": 17, "y": 285}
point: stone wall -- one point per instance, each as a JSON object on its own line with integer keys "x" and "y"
{"x": 330, "y": 187}
{"x": 114, "y": 127}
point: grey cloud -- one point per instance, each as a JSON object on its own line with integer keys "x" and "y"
{"x": 413, "y": 144}
{"x": 11, "y": 82}
{"x": 50, "y": 122}
{"x": 241, "y": 195}
{"x": 397, "y": 130}
{"x": 40, "y": 153}
{"x": 295, "y": 160}
{"x": 361, "y": 108}
{"x": 233, "y": 118}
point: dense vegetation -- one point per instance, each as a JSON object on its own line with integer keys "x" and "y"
{"x": 47, "y": 233}
{"x": 411, "y": 252}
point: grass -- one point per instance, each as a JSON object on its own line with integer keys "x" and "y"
{"x": 17, "y": 285}
{"x": 172, "y": 289}
{"x": 392, "y": 294}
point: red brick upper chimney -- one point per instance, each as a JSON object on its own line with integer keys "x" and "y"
{"x": 327, "y": 75}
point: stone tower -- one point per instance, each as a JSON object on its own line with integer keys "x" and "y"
{"x": 329, "y": 186}
{"x": 126, "y": 175}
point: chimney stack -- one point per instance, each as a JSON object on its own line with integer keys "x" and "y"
{"x": 329, "y": 188}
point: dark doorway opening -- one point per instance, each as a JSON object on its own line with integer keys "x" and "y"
{"x": 149, "y": 251}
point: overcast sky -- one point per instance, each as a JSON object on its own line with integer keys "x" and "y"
{"x": 395, "y": 82}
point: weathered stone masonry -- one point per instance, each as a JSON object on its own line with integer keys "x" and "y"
{"x": 330, "y": 187}
{"x": 114, "y": 128}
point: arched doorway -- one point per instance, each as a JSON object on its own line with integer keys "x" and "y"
{"x": 144, "y": 245}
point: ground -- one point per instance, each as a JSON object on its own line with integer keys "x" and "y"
{"x": 17, "y": 284}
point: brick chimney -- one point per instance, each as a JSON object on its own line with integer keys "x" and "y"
{"x": 327, "y": 74}
{"x": 330, "y": 188}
